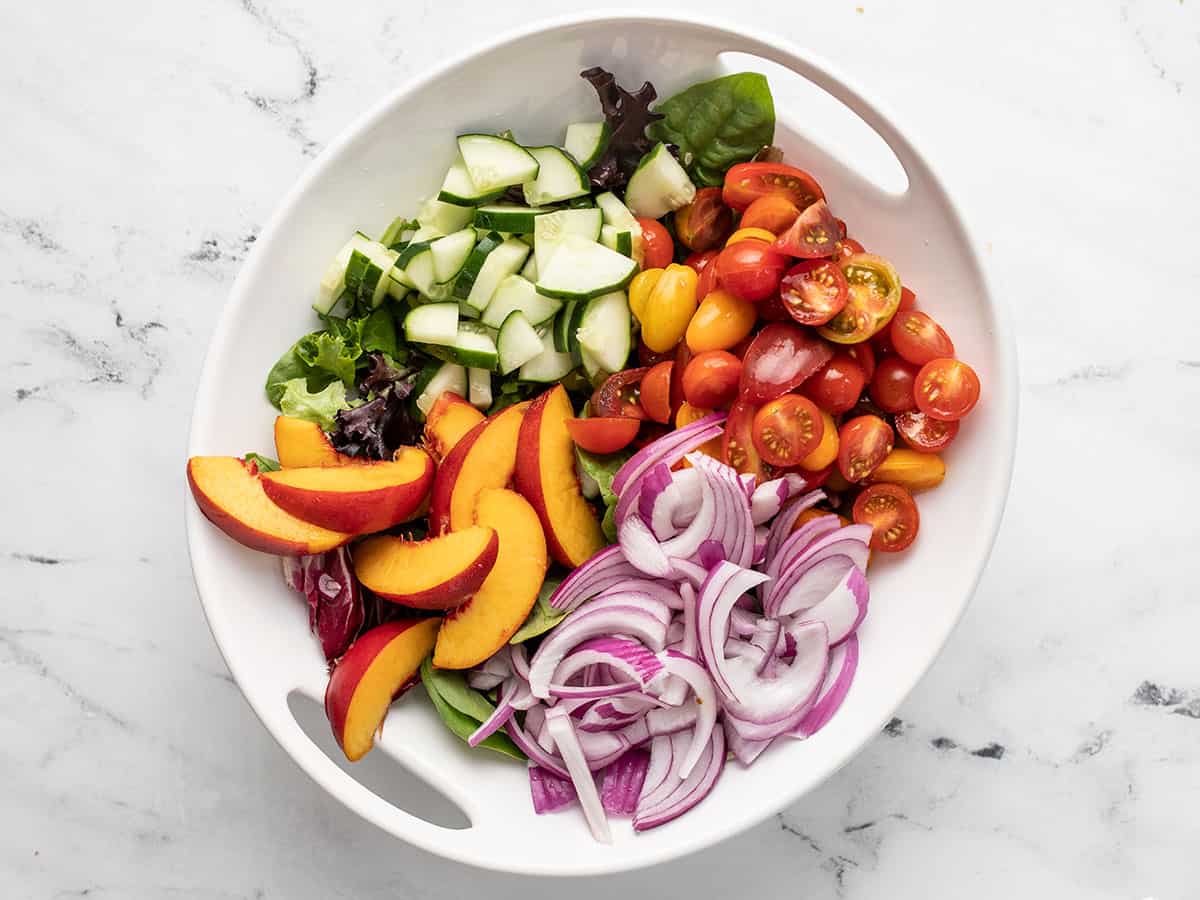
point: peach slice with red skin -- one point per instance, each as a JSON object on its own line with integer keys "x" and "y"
{"x": 449, "y": 419}
{"x": 230, "y": 493}
{"x": 481, "y": 626}
{"x": 300, "y": 443}
{"x": 359, "y": 499}
{"x": 439, "y": 573}
{"x": 483, "y": 458}
{"x": 372, "y": 673}
{"x": 546, "y": 476}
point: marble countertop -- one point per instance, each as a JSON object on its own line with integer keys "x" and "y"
{"x": 1054, "y": 749}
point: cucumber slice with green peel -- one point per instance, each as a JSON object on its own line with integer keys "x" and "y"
{"x": 494, "y": 162}
{"x": 503, "y": 261}
{"x": 459, "y": 190}
{"x": 432, "y": 323}
{"x": 421, "y": 273}
{"x": 581, "y": 269}
{"x": 450, "y": 254}
{"x": 566, "y": 326}
{"x": 604, "y": 332}
{"x": 479, "y": 386}
{"x": 474, "y": 264}
{"x": 529, "y": 271}
{"x": 481, "y": 233}
{"x": 517, "y": 343}
{"x": 518, "y": 293}
{"x": 395, "y": 233}
{"x": 367, "y": 272}
{"x": 508, "y": 217}
{"x": 559, "y": 178}
{"x": 472, "y": 346}
{"x": 658, "y": 185}
{"x": 591, "y": 366}
{"x": 548, "y": 366}
{"x": 396, "y": 290}
{"x": 427, "y": 233}
{"x": 437, "y": 218}
{"x": 333, "y": 282}
{"x": 448, "y": 377}
{"x": 617, "y": 215}
{"x": 587, "y": 141}
{"x": 411, "y": 251}
{"x": 616, "y": 239}
{"x": 550, "y": 229}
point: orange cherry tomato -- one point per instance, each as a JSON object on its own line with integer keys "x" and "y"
{"x": 746, "y": 182}
{"x": 918, "y": 338}
{"x": 892, "y": 514}
{"x": 774, "y": 213}
{"x": 892, "y": 385}
{"x": 946, "y": 389}
{"x": 787, "y": 429}
{"x": 658, "y": 250}
{"x": 705, "y": 222}
{"x": 711, "y": 379}
{"x": 656, "y": 392}
{"x": 874, "y": 299}
{"x": 750, "y": 269}
{"x": 746, "y": 234}
{"x": 837, "y": 385}
{"x": 737, "y": 444}
{"x": 863, "y": 443}
{"x": 825, "y": 454}
{"x": 602, "y": 435}
{"x": 720, "y": 322}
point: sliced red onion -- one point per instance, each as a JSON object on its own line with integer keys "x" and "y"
{"x": 767, "y": 636}
{"x": 623, "y": 782}
{"x": 748, "y": 483}
{"x": 720, "y": 591}
{"x": 602, "y": 748}
{"x": 734, "y": 527}
{"x": 737, "y": 649}
{"x": 605, "y": 569}
{"x": 550, "y": 792}
{"x": 483, "y": 681}
{"x": 655, "y": 791}
{"x": 770, "y": 496}
{"x": 662, "y": 758}
{"x": 675, "y": 632}
{"x": 703, "y": 523}
{"x": 672, "y": 719}
{"x": 663, "y": 591}
{"x": 843, "y": 662}
{"x": 690, "y": 790}
{"x": 710, "y": 553}
{"x": 676, "y": 689}
{"x": 760, "y": 543}
{"x": 794, "y": 544}
{"x": 629, "y": 658}
{"x": 808, "y": 586}
{"x": 781, "y": 526}
{"x": 535, "y": 726}
{"x": 559, "y": 725}
{"x": 641, "y": 548}
{"x": 668, "y": 449}
{"x": 795, "y": 564}
{"x": 531, "y": 748}
{"x": 669, "y": 501}
{"x": 843, "y": 610}
{"x": 744, "y": 751}
{"x": 697, "y": 678}
{"x": 686, "y": 569}
{"x": 497, "y": 720}
{"x": 743, "y": 622}
{"x": 605, "y": 715}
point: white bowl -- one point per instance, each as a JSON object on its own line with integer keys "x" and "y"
{"x": 396, "y": 154}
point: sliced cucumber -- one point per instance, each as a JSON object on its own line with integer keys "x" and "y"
{"x": 474, "y": 264}
{"x": 432, "y": 323}
{"x": 517, "y": 343}
{"x": 605, "y": 331}
{"x": 473, "y": 346}
{"x": 550, "y": 229}
{"x": 581, "y": 269}
{"x": 427, "y": 233}
{"x": 615, "y": 239}
{"x": 547, "y": 366}
{"x": 459, "y": 190}
{"x": 508, "y": 217}
{"x": 566, "y": 326}
{"x": 448, "y": 377}
{"x": 438, "y": 218}
{"x": 617, "y": 215}
{"x": 518, "y": 293}
{"x": 503, "y": 261}
{"x": 421, "y": 273}
{"x": 333, "y": 282}
{"x": 394, "y": 233}
{"x": 591, "y": 365}
{"x": 658, "y": 185}
{"x": 587, "y": 141}
{"x": 450, "y": 254}
{"x": 529, "y": 271}
{"x": 559, "y": 177}
{"x": 494, "y": 162}
{"x": 395, "y": 289}
{"x": 480, "y": 387}
{"x": 366, "y": 272}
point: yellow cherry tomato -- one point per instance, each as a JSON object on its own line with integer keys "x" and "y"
{"x": 663, "y": 301}
{"x": 809, "y": 514}
{"x": 910, "y": 469}
{"x": 826, "y": 451}
{"x": 640, "y": 289}
{"x": 720, "y": 322}
{"x": 745, "y": 234}
{"x": 686, "y": 415}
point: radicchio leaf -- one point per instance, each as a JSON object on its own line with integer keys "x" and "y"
{"x": 335, "y": 607}
{"x": 628, "y": 116}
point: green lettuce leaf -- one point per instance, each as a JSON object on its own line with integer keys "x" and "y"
{"x": 264, "y": 463}
{"x": 315, "y": 406}
{"x": 602, "y": 469}
{"x": 543, "y": 616}
{"x": 458, "y": 693}
{"x": 329, "y": 353}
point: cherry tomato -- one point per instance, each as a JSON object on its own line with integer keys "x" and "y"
{"x": 720, "y": 322}
{"x": 847, "y": 247}
{"x": 911, "y": 470}
{"x": 711, "y": 379}
{"x": 814, "y": 291}
{"x": 688, "y": 414}
{"x": 705, "y": 222}
{"x": 825, "y": 453}
{"x": 881, "y": 342}
{"x": 874, "y": 299}
{"x": 603, "y": 435}
{"x": 658, "y": 250}
{"x": 618, "y": 396}
{"x": 836, "y": 386}
{"x": 813, "y": 513}
{"x": 947, "y": 389}
{"x": 919, "y": 339}
{"x": 746, "y": 182}
{"x": 698, "y": 262}
{"x": 841, "y": 224}
{"x": 892, "y": 385}
{"x": 779, "y": 358}
{"x": 813, "y": 234}
{"x": 773, "y": 309}
{"x": 864, "y": 356}
{"x": 656, "y": 392}
{"x": 908, "y": 300}
{"x": 745, "y": 234}
{"x": 787, "y": 429}
{"x": 683, "y": 356}
{"x": 750, "y": 269}
{"x": 892, "y": 514}
{"x": 863, "y": 443}
{"x": 923, "y": 433}
{"x": 737, "y": 446}
{"x": 774, "y": 213}
{"x": 648, "y": 357}
{"x": 663, "y": 301}
{"x": 706, "y": 272}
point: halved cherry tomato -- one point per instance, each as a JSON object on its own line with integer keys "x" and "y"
{"x": 947, "y": 389}
{"x": 772, "y": 309}
{"x": 683, "y": 356}
{"x": 813, "y": 513}
{"x": 750, "y": 269}
{"x": 687, "y": 414}
{"x": 892, "y": 514}
{"x": 746, "y": 234}
{"x": 925, "y": 434}
{"x": 825, "y": 454}
{"x": 658, "y": 250}
{"x": 720, "y": 322}
{"x": 874, "y": 299}
{"x": 919, "y": 339}
{"x": 603, "y": 434}
{"x": 711, "y": 379}
{"x": 779, "y": 358}
{"x": 746, "y": 182}
{"x": 618, "y": 396}
{"x": 648, "y": 357}
{"x": 774, "y": 213}
{"x": 908, "y": 300}
{"x": 813, "y": 234}
{"x": 706, "y": 272}
{"x": 656, "y": 392}
{"x": 787, "y": 429}
{"x": 892, "y": 386}
{"x": 837, "y": 385}
{"x": 705, "y": 222}
{"x": 863, "y": 443}
{"x": 864, "y": 356}
{"x": 737, "y": 447}
{"x": 847, "y": 247}
{"x": 814, "y": 291}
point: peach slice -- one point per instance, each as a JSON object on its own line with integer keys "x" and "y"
{"x": 231, "y": 496}
{"x": 359, "y": 499}
{"x": 449, "y": 419}
{"x": 546, "y": 477}
{"x": 439, "y": 573}
{"x": 300, "y": 443}
{"x": 375, "y": 669}
{"x": 483, "y": 458}
{"x": 482, "y": 625}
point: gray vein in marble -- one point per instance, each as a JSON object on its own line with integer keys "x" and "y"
{"x": 277, "y": 107}
{"x": 1093, "y": 373}
{"x": 219, "y": 248}
{"x": 30, "y": 231}
{"x": 1179, "y": 702}
{"x": 38, "y": 560}
{"x": 1093, "y": 746}
{"x": 834, "y": 863}
{"x": 1189, "y": 363}
{"x": 1148, "y": 50}
{"x": 102, "y": 365}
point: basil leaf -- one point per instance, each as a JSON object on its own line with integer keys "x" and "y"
{"x": 264, "y": 463}
{"x": 717, "y": 124}
{"x": 542, "y": 617}
{"x": 461, "y": 724}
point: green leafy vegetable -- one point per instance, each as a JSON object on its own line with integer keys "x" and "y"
{"x": 602, "y": 469}
{"x": 717, "y": 123}
{"x": 316, "y": 406}
{"x": 264, "y": 463}
{"x": 543, "y": 616}
{"x": 379, "y": 332}
{"x": 460, "y": 723}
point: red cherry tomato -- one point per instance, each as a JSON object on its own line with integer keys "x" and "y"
{"x": 787, "y": 429}
{"x": 846, "y": 248}
{"x": 812, "y": 236}
{"x": 814, "y": 291}
{"x": 908, "y": 300}
{"x": 603, "y": 435}
{"x": 924, "y": 434}
{"x": 706, "y": 271}
{"x": 892, "y": 385}
{"x": 947, "y": 389}
{"x": 705, "y": 222}
{"x": 710, "y": 380}
{"x": 779, "y": 358}
{"x": 773, "y": 309}
{"x": 918, "y": 338}
{"x": 892, "y": 514}
{"x": 746, "y": 182}
{"x": 863, "y": 443}
{"x": 774, "y": 213}
{"x": 841, "y": 224}
{"x": 750, "y": 269}
{"x": 864, "y": 356}
{"x": 683, "y": 356}
{"x": 837, "y": 385}
{"x": 657, "y": 247}
{"x": 656, "y": 392}
{"x": 648, "y": 357}
{"x": 618, "y": 397}
{"x": 737, "y": 444}
{"x": 698, "y": 262}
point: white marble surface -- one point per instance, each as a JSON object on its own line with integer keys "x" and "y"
{"x": 1054, "y": 750}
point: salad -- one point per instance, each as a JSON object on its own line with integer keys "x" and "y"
{"x": 597, "y": 447}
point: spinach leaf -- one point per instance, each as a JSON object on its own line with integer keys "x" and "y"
{"x": 291, "y": 366}
{"x": 379, "y": 333}
{"x": 718, "y": 123}
{"x": 264, "y": 463}
{"x": 602, "y": 469}
{"x": 542, "y": 617}
{"x": 462, "y": 725}
{"x": 315, "y": 406}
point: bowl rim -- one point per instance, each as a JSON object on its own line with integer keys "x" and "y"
{"x": 1006, "y": 375}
